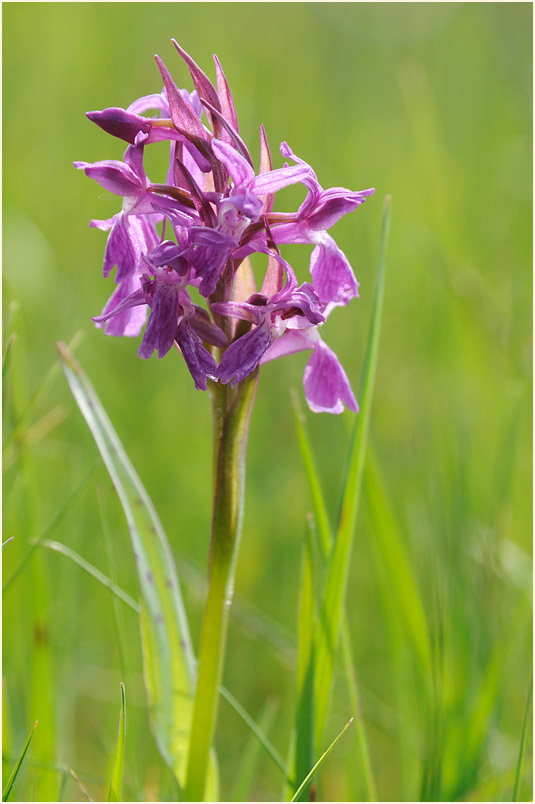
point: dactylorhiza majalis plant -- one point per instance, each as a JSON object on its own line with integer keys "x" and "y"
{"x": 197, "y": 230}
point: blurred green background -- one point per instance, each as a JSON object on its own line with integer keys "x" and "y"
{"x": 428, "y": 102}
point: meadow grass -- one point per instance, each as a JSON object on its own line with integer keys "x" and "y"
{"x": 428, "y": 102}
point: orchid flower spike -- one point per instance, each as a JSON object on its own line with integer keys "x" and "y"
{"x": 194, "y": 232}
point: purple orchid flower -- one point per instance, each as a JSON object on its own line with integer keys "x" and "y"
{"x": 173, "y": 316}
{"x": 286, "y": 323}
{"x": 220, "y": 211}
{"x": 332, "y": 276}
{"x": 126, "y": 124}
{"x": 327, "y": 388}
{"x": 120, "y": 318}
{"x": 291, "y": 307}
{"x": 247, "y": 187}
{"x": 237, "y": 209}
{"x": 132, "y": 231}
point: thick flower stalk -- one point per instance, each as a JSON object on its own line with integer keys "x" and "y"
{"x": 187, "y": 240}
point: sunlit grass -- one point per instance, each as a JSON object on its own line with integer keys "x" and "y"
{"x": 430, "y": 103}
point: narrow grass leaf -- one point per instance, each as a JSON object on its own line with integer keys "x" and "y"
{"x": 360, "y": 731}
{"x": 95, "y": 573}
{"x": 6, "y": 724}
{"x": 51, "y": 526}
{"x": 314, "y": 483}
{"x": 325, "y": 544}
{"x": 332, "y": 603}
{"x": 55, "y": 767}
{"x": 518, "y": 772}
{"x": 256, "y": 730}
{"x": 320, "y": 761}
{"x": 44, "y": 426}
{"x": 6, "y": 357}
{"x": 36, "y": 675}
{"x": 7, "y": 541}
{"x": 14, "y": 772}
{"x": 307, "y": 608}
{"x": 116, "y": 781}
{"x": 39, "y": 393}
{"x": 249, "y": 616}
{"x": 476, "y": 730}
{"x": 392, "y": 554}
{"x": 120, "y": 594}
{"x": 168, "y": 659}
{"x": 63, "y": 785}
{"x": 251, "y": 756}
{"x": 123, "y": 645}
{"x": 7, "y": 319}
{"x": 80, "y": 785}
{"x": 304, "y": 715}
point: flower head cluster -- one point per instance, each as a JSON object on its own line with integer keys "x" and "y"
{"x": 191, "y": 238}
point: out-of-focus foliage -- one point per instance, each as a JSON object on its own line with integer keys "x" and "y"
{"x": 428, "y": 102}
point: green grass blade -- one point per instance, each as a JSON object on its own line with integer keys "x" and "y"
{"x": 80, "y": 785}
{"x": 6, "y": 725}
{"x": 134, "y": 605}
{"x": 55, "y": 768}
{"x": 314, "y": 484}
{"x": 63, "y": 785}
{"x": 251, "y": 756}
{"x": 7, "y": 319}
{"x": 256, "y": 730}
{"x": 392, "y": 554}
{"x": 360, "y": 732}
{"x": 252, "y": 619}
{"x": 325, "y": 543}
{"x": 320, "y": 761}
{"x": 304, "y": 714}
{"x": 518, "y": 772}
{"x": 307, "y": 609}
{"x": 14, "y": 772}
{"x": 39, "y": 393}
{"x": 51, "y": 526}
{"x": 168, "y": 659}
{"x": 116, "y": 781}
{"x": 6, "y": 357}
{"x": 123, "y": 644}
{"x": 335, "y": 585}
{"x": 91, "y": 570}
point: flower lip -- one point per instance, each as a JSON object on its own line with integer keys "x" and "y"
{"x": 327, "y": 388}
{"x": 116, "y": 177}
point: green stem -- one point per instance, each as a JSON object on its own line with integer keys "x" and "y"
{"x": 230, "y": 428}
{"x": 360, "y": 731}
